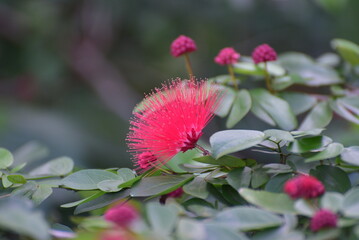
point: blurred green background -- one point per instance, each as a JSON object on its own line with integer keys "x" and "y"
{"x": 72, "y": 71}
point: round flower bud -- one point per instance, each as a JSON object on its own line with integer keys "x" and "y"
{"x": 323, "y": 219}
{"x": 182, "y": 45}
{"x": 264, "y": 53}
{"x": 304, "y": 186}
{"x": 227, "y": 56}
{"x": 122, "y": 214}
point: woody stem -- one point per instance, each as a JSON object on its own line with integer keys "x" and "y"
{"x": 188, "y": 65}
{"x": 205, "y": 152}
{"x": 233, "y": 78}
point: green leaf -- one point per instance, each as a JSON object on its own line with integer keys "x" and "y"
{"x": 278, "y": 109}
{"x": 277, "y": 168}
{"x": 232, "y": 196}
{"x": 241, "y": 106}
{"x": 350, "y": 206}
{"x": 340, "y": 108}
{"x": 347, "y": 50}
{"x": 248, "y": 68}
{"x": 261, "y": 113}
{"x": 16, "y": 178}
{"x": 299, "y": 102}
{"x": 229, "y": 141}
{"x": 333, "y": 178}
{"x": 283, "y": 82}
{"x": 81, "y": 201}
{"x": 126, "y": 174}
{"x": 227, "y": 101}
{"x": 57, "y": 167}
{"x": 17, "y": 216}
{"x": 225, "y": 160}
{"x": 88, "y": 179}
{"x": 42, "y": 192}
{"x": 101, "y": 201}
{"x": 30, "y": 152}
{"x": 332, "y": 201}
{"x": 276, "y": 183}
{"x": 197, "y": 188}
{"x": 162, "y": 218}
{"x": 159, "y": 185}
{"x": 259, "y": 177}
{"x": 332, "y": 150}
{"x": 239, "y": 177}
{"x": 110, "y": 185}
{"x": 304, "y": 208}
{"x": 351, "y": 155}
{"x": 308, "y": 144}
{"x": 215, "y": 232}
{"x": 312, "y": 132}
{"x": 6, "y": 158}
{"x": 274, "y": 202}
{"x": 199, "y": 207}
{"x": 278, "y": 135}
{"x": 217, "y": 194}
{"x": 247, "y": 219}
{"x": 319, "y": 117}
{"x": 190, "y": 229}
{"x": 315, "y": 74}
{"x": 5, "y": 181}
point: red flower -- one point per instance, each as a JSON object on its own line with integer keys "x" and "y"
{"x": 171, "y": 121}
{"x": 122, "y": 214}
{"x": 323, "y": 219}
{"x": 175, "y": 194}
{"x": 264, "y": 53}
{"x": 182, "y": 45}
{"x": 227, "y": 56}
{"x": 304, "y": 186}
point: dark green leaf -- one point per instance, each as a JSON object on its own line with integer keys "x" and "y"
{"x": 309, "y": 144}
{"x": 239, "y": 177}
{"x": 232, "y": 196}
{"x": 333, "y": 178}
{"x": 276, "y": 183}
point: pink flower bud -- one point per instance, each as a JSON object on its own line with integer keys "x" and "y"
{"x": 182, "y": 45}
{"x": 227, "y": 56}
{"x": 264, "y": 53}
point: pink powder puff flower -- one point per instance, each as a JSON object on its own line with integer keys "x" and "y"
{"x": 323, "y": 219}
{"x": 171, "y": 120}
{"x": 227, "y": 56}
{"x": 264, "y": 53}
{"x": 304, "y": 186}
{"x": 182, "y": 45}
{"x": 122, "y": 214}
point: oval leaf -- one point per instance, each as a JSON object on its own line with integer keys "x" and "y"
{"x": 6, "y": 158}
{"x": 241, "y": 106}
{"x": 88, "y": 179}
{"x": 229, "y": 141}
